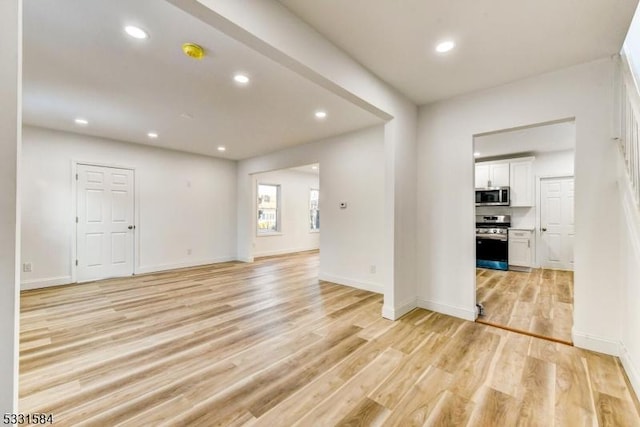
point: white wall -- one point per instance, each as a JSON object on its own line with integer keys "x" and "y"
{"x": 352, "y": 171}
{"x": 295, "y": 234}
{"x": 446, "y": 274}
{"x": 10, "y": 141}
{"x": 184, "y": 201}
{"x": 556, "y": 163}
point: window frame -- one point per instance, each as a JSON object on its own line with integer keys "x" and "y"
{"x": 314, "y": 230}
{"x": 278, "y": 211}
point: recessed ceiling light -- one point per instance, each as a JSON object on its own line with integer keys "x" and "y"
{"x": 241, "y": 78}
{"x": 321, "y": 114}
{"x": 222, "y": 148}
{"x": 445, "y": 46}
{"x": 136, "y": 32}
{"x": 152, "y": 135}
{"x": 81, "y": 122}
{"x": 476, "y": 154}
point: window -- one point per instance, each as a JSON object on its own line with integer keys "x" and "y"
{"x": 314, "y": 209}
{"x": 268, "y": 206}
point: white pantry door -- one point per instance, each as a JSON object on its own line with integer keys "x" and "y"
{"x": 105, "y": 222}
{"x": 557, "y": 229}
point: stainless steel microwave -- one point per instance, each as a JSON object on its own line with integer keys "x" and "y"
{"x": 493, "y": 196}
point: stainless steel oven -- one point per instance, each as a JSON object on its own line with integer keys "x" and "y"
{"x": 492, "y": 241}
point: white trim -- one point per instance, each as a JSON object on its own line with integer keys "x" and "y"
{"x": 45, "y": 283}
{"x": 243, "y": 259}
{"x": 185, "y": 264}
{"x": 450, "y": 310}
{"x": 366, "y": 286}
{"x": 595, "y": 343}
{"x": 72, "y": 215}
{"x": 283, "y": 251}
{"x": 633, "y": 372}
{"x": 392, "y": 313}
{"x": 270, "y": 234}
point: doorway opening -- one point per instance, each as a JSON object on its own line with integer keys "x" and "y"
{"x": 287, "y": 211}
{"x": 524, "y": 229}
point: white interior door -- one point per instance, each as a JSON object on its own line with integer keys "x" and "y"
{"x": 105, "y": 222}
{"x": 557, "y": 229}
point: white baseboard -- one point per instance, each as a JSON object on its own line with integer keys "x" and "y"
{"x": 450, "y": 310}
{"x": 283, "y": 251}
{"x": 595, "y": 343}
{"x": 366, "y": 286}
{"x": 633, "y": 371}
{"x": 164, "y": 267}
{"x": 393, "y": 313}
{"x": 44, "y": 283}
{"x": 244, "y": 258}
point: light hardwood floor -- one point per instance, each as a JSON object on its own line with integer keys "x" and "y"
{"x": 268, "y": 344}
{"x": 539, "y": 302}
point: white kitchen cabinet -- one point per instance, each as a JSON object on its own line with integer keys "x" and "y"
{"x": 482, "y": 175}
{"x": 521, "y": 248}
{"x": 521, "y": 182}
{"x": 490, "y": 174}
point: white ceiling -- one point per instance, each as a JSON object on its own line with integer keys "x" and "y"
{"x": 530, "y": 140}
{"x": 498, "y": 41}
{"x": 78, "y": 62}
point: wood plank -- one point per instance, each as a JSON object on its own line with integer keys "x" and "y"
{"x": 365, "y": 413}
{"x": 539, "y": 302}
{"x": 538, "y": 402}
{"x": 340, "y": 404}
{"x": 495, "y": 409}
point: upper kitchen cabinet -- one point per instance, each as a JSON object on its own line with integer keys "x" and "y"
{"x": 492, "y": 174}
{"x": 515, "y": 173}
{"x": 521, "y": 182}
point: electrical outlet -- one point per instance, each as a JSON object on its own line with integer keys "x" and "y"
{"x": 188, "y": 251}
{"x": 372, "y": 269}
{"x": 27, "y": 267}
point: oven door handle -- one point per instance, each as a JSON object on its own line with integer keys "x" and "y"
{"x": 492, "y": 237}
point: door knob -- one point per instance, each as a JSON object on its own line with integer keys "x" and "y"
{"x": 131, "y": 227}
{"x": 544, "y": 229}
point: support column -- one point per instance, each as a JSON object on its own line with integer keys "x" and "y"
{"x": 10, "y": 145}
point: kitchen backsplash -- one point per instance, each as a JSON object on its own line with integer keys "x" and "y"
{"x": 520, "y": 217}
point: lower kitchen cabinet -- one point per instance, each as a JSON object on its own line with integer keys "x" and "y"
{"x": 521, "y": 248}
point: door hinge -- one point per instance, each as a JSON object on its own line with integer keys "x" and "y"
{"x": 76, "y": 220}
{"x": 76, "y": 177}
{"x": 76, "y": 262}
